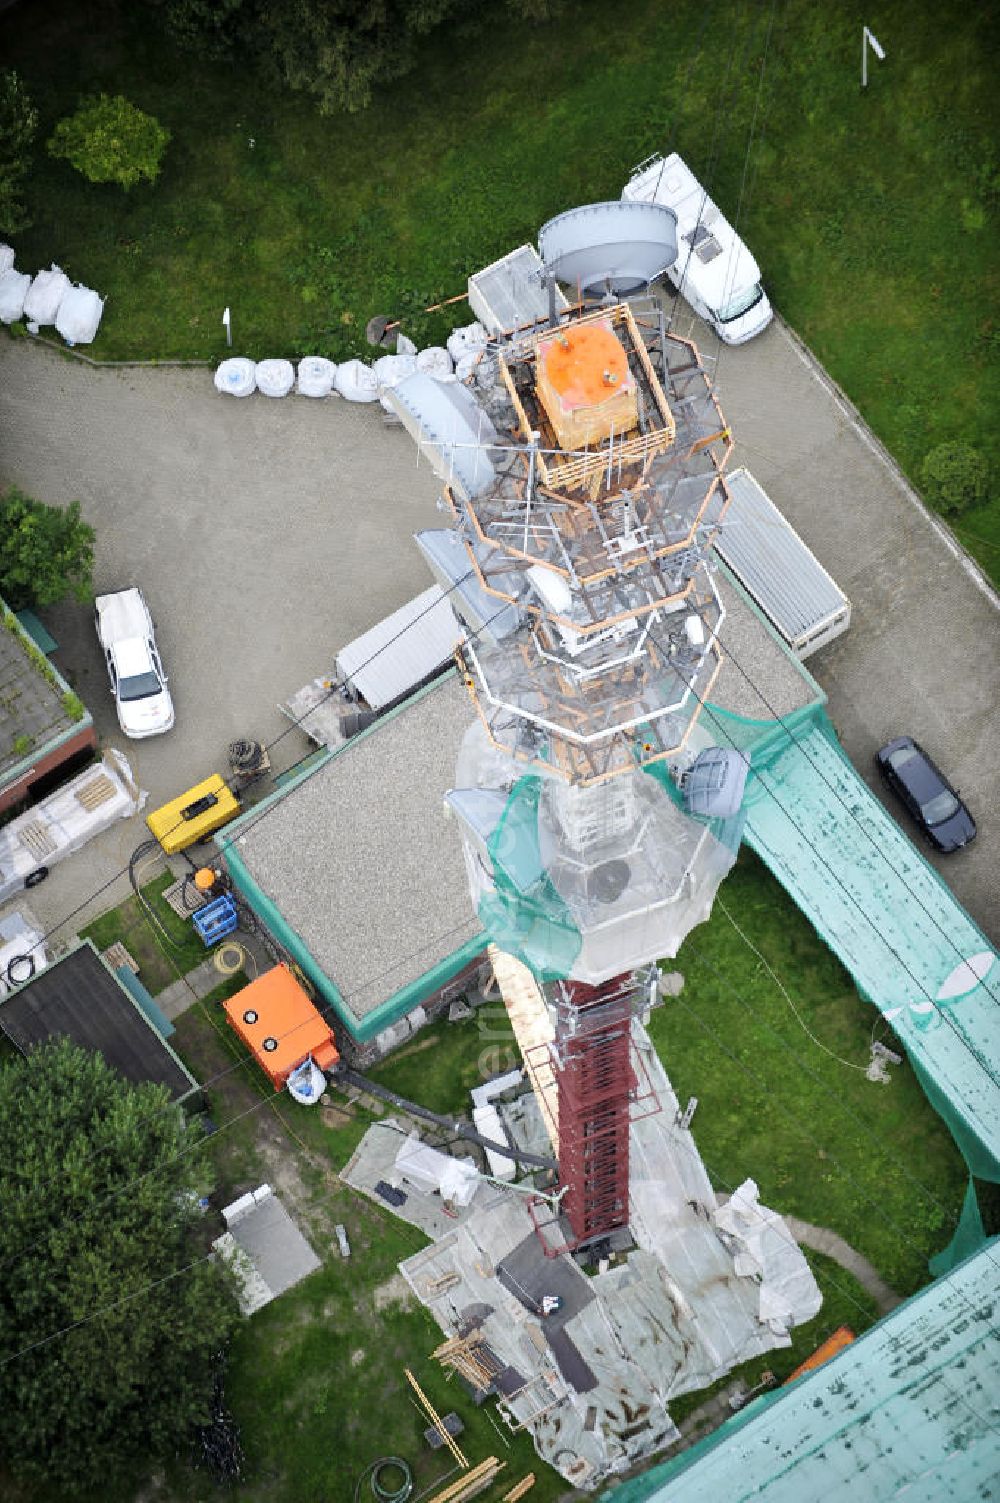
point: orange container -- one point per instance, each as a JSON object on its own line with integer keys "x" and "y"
{"x": 279, "y": 1024}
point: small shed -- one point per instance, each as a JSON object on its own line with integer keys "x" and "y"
{"x": 277, "y": 1021}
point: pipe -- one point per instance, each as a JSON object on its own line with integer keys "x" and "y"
{"x": 351, "y": 1077}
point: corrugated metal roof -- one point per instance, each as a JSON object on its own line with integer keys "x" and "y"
{"x": 396, "y": 656}
{"x": 509, "y": 292}
{"x": 908, "y": 1410}
{"x": 448, "y": 560}
{"x": 773, "y": 563}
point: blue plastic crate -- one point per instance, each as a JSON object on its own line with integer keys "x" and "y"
{"x": 216, "y": 919}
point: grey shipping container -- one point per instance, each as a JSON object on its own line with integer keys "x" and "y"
{"x": 772, "y": 563}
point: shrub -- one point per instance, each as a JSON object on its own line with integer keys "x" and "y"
{"x": 73, "y": 705}
{"x": 18, "y": 123}
{"x": 111, "y": 141}
{"x": 955, "y": 477}
{"x": 22, "y": 745}
{"x": 48, "y": 553}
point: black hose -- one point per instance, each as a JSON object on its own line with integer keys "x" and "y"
{"x": 385, "y": 1494}
{"x": 508, "y": 1150}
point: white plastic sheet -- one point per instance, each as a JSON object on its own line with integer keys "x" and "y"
{"x": 45, "y": 295}
{"x": 275, "y": 378}
{"x": 316, "y": 376}
{"x": 79, "y": 315}
{"x": 6, "y": 259}
{"x": 237, "y": 377}
{"x": 13, "y": 290}
{"x": 435, "y": 361}
{"x": 356, "y": 381}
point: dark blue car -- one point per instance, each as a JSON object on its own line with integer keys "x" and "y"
{"x": 926, "y": 792}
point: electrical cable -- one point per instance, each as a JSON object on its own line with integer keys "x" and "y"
{"x": 850, "y": 1063}
{"x": 769, "y": 790}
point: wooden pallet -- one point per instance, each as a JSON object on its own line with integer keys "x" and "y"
{"x": 96, "y": 792}
{"x": 116, "y": 956}
{"x": 35, "y": 837}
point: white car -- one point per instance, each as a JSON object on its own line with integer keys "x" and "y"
{"x": 138, "y": 682}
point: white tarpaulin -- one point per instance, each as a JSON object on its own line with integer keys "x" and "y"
{"x": 430, "y": 1170}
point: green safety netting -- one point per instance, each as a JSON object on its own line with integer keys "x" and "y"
{"x": 524, "y": 914}
{"x": 910, "y": 947}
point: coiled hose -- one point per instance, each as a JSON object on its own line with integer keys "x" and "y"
{"x": 383, "y": 1491}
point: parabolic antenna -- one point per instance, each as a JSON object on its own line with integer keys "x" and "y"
{"x": 617, "y": 246}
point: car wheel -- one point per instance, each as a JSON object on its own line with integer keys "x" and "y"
{"x": 38, "y": 875}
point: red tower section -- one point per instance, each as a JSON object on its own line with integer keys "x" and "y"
{"x": 594, "y": 1078}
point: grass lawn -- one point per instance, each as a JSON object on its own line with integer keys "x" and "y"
{"x": 160, "y": 962}
{"x": 873, "y": 215}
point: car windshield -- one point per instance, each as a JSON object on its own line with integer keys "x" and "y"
{"x": 903, "y": 754}
{"x": 740, "y": 304}
{"x": 941, "y": 807}
{"x": 139, "y": 686}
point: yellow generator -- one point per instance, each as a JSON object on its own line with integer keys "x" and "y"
{"x": 188, "y": 819}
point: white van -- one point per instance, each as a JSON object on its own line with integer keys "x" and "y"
{"x": 714, "y": 271}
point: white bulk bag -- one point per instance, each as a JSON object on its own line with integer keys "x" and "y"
{"x": 435, "y": 362}
{"x": 465, "y": 340}
{"x": 316, "y": 376}
{"x": 79, "y": 314}
{"x": 237, "y": 377}
{"x": 405, "y": 345}
{"x": 13, "y": 290}
{"x": 6, "y": 258}
{"x": 45, "y": 295}
{"x": 389, "y": 370}
{"x": 467, "y": 364}
{"x": 275, "y": 378}
{"x": 356, "y": 381}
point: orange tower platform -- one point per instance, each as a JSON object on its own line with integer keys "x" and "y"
{"x": 585, "y": 385}
{"x": 277, "y": 1021}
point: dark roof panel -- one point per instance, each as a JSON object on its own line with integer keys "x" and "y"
{"x": 79, "y": 998}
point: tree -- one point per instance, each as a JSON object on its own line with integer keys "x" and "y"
{"x": 955, "y": 477}
{"x": 337, "y": 50}
{"x": 47, "y": 553}
{"x": 111, "y": 141}
{"x": 101, "y": 1241}
{"x": 18, "y": 124}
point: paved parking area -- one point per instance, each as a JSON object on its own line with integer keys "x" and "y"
{"x": 268, "y": 534}
{"x": 264, "y": 534}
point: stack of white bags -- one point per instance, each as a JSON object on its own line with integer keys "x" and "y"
{"x": 355, "y": 380}
{"x": 48, "y": 298}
